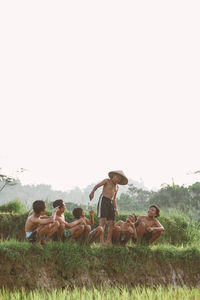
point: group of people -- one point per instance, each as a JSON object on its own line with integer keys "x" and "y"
{"x": 40, "y": 228}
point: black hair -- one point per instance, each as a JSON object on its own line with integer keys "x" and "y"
{"x": 38, "y": 206}
{"x": 58, "y": 203}
{"x": 134, "y": 215}
{"x": 77, "y": 212}
{"x": 157, "y": 210}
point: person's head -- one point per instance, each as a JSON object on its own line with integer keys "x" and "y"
{"x": 131, "y": 218}
{"x": 39, "y": 207}
{"x": 78, "y": 212}
{"x": 154, "y": 211}
{"x": 116, "y": 179}
{"x": 59, "y": 203}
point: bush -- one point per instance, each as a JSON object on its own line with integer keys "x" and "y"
{"x": 179, "y": 228}
{"x": 14, "y": 206}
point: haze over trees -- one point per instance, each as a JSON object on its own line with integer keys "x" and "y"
{"x": 133, "y": 197}
{"x": 29, "y": 193}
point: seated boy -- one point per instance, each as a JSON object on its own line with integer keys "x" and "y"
{"x": 38, "y": 225}
{"x": 66, "y": 230}
{"x": 88, "y": 235}
{"x": 123, "y": 231}
{"x": 148, "y": 228}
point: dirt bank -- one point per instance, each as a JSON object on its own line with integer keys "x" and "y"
{"x": 60, "y": 266}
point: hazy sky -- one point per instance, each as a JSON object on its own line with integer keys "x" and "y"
{"x": 92, "y": 86}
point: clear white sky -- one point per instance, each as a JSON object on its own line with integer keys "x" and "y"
{"x": 93, "y": 86}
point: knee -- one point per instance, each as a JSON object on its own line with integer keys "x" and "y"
{"x": 141, "y": 225}
{"x": 55, "y": 224}
{"x": 81, "y": 227}
{"x": 130, "y": 230}
{"x": 62, "y": 226}
{"x": 111, "y": 224}
{"x": 87, "y": 228}
{"x": 100, "y": 229}
{"x": 158, "y": 233}
{"x": 103, "y": 223}
{"x": 117, "y": 228}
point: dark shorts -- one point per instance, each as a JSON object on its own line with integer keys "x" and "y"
{"x": 146, "y": 237}
{"x": 92, "y": 234}
{"x": 121, "y": 241}
{"x": 105, "y": 208}
{"x": 67, "y": 234}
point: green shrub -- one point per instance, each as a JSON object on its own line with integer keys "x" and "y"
{"x": 179, "y": 228}
{"x": 14, "y": 206}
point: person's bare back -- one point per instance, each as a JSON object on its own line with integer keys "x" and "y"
{"x": 38, "y": 225}
{"x": 33, "y": 221}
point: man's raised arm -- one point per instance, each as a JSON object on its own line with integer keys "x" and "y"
{"x": 91, "y": 196}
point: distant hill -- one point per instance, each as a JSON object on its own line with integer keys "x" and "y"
{"x": 29, "y": 193}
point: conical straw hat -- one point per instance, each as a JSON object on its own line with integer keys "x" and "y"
{"x": 124, "y": 179}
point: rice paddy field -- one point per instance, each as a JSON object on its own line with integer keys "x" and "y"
{"x": 137, "y": 293}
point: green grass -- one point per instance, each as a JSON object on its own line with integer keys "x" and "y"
{"x": 70, "y": 256}
{"x": 138, "y": 293}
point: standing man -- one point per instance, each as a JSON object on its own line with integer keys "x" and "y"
{"x": 107, "y": 206}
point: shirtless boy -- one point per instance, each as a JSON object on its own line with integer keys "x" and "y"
{"x": 38, "y": 225}
{"x": 107, "y": 206}
{"x": 123, "y": 231}
{"x": 147, "y": 227}
{"x": 88, "y": 235}
{"x": 66, "y": 230}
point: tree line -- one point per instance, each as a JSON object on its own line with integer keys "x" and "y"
{"x": 168, "y": 197}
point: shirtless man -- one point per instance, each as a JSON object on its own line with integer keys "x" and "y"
{"x": 66, "y": 230}
{"x": 123, "y": 231}
{"x": 107, "y": 206}
{"x": 38, "y": 225}
{"x": 88, "y": 235}
{"x": 147, "y": 227}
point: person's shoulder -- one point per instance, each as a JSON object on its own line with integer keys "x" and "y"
{"x": 141, "y": 218}
{"x": 106, "y": 181}
{"x": 32, "y": 218}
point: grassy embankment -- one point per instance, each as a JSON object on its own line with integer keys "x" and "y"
{"x": 175, "y": 260}
{"x": 70, "y": 264}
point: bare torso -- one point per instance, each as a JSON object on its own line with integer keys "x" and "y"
{"x": 110, "y": 189}
{"x": 125, "y": 226}
{"x": 60, "y": 217}
{"x": 31, "y": 223}
{"x": 147, "y": 221}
